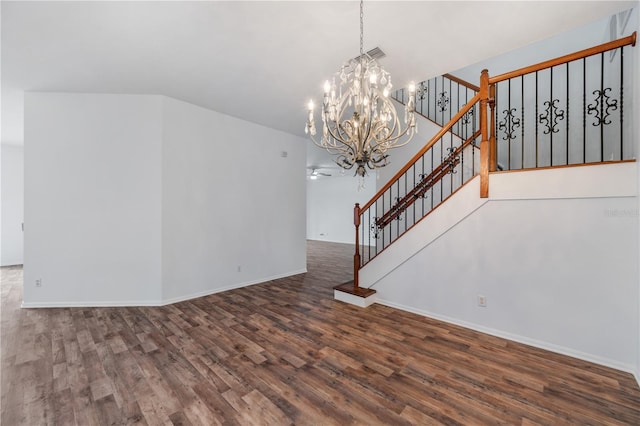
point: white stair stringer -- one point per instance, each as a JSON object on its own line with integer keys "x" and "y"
{"x": 461, "y": 204}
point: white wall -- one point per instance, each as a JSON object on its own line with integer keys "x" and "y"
{"x": 145, "y": 200}
{"x": 92, "y": 199}
{"x": 233, "y": 208}
{"x": 330, "y": 203}
{"x": 568, "y": 42}
{"x": 398, "y": 157}
{"x": 12, "y": 205}
{"x": 559, "y": 273}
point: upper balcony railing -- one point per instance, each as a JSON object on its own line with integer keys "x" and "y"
{"x": 569, "y": 110}
{"x": 440, "y": 98}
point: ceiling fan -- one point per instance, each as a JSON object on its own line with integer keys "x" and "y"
{"x": 315, "y": 173}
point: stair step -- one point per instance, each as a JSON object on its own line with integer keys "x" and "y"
{"x": 362, "y": 297}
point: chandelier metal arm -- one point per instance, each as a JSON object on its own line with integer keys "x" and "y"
{"x": 332, "y": 148}
{"x": 409, "y": 128}
{"x": 346, "y": 149}
{"x": 389, "y": 141}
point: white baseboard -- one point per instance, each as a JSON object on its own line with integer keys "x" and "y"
{"x": 162, "y": 302}
{"x": 520, "y": 339}
{"x": 91, "y": 304}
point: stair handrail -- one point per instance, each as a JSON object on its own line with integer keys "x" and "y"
{"x": 462, "y": 82}
{"x": 621, "y": 42}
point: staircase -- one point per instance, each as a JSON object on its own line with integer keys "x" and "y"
{"x": 564, "y": 112}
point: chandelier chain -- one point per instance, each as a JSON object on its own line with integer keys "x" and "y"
{"x": 361, "y": 27}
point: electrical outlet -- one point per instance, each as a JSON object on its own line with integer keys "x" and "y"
{"x": 39, "y": 282}
{"x": 482, "y": 301}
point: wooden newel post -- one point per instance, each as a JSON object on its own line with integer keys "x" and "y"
{"x": 356, "y": 257}
{"x": 484, "y": 130}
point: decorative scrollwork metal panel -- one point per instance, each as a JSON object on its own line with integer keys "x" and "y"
{"x": 451, "y": 160}
{"x": 551, "y": 116}
{"x": 422, "y": 90}
{"x": 374, "y": 230}
{"x": 468, "y": 117}
{"x": 509, "y": 124}
{"x": 602, "y": 106}
{"x": 443, "y": 101}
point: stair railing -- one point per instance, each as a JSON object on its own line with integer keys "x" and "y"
{"x": 438, "y": 99}
{"x": 449, "y": 160}
{"x": 440, "y": 168}
{"x": 565, "y": 111}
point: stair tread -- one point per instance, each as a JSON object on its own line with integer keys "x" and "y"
{"x": 360, "y": 291}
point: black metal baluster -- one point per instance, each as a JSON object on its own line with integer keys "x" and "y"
{"x": 450, "y": 109}
{"x": 522, "y": 121}
{"x": 509, "y": 106}
{"x": 422, "y": 99}
{"x": 458, "y": 104}
{"x": 435, "y": 100}
{"x": 568, "y": 115}
{"x": 462, "y": 162}
{"x": 451, "y": 146}
{"x": 399, "y": 217}
{"x": 362, "y": 242}
{"x": 428, "y": 95}
{"x": 621, "y": 103}
{"x": 466, "y": 101}
{"x": 441, "y": 161}
{"x": 422, "y": 177}
{"x": 405, "y": 211}
{"x": 584, "y": 110}
{"x": 440, "y": 108}
{"x": 414, "y": 185}
{"x": 369, "y": 228}
{"x": 536, "y": 119}
{"x": 430, "y": 173}
{"x": 602, "y": 107}
{"x": 551, "y": 133}
{"x": 382, "y": 214}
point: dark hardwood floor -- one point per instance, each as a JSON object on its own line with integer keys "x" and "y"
{"x": 284, "y": 352}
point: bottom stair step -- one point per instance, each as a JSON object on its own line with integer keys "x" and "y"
{"x": 362, "y": 297}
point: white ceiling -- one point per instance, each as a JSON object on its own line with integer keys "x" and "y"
{"x": 259, "y": 61}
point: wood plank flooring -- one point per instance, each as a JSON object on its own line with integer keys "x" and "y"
{"x": 285, "y": 352}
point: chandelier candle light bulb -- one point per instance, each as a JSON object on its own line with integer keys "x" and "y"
{"x": 359, "y": 122}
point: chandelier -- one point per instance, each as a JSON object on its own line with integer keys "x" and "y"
{"x": 359, "y": 122}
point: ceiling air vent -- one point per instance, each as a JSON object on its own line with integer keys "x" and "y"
{"x": 376, "y": 53}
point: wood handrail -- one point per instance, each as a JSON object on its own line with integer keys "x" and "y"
{"x": 629, "y": 40}
{"x": 424, "y": 116}
{"x": 424, "y": 149}
{"x": 462, "y": 82}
